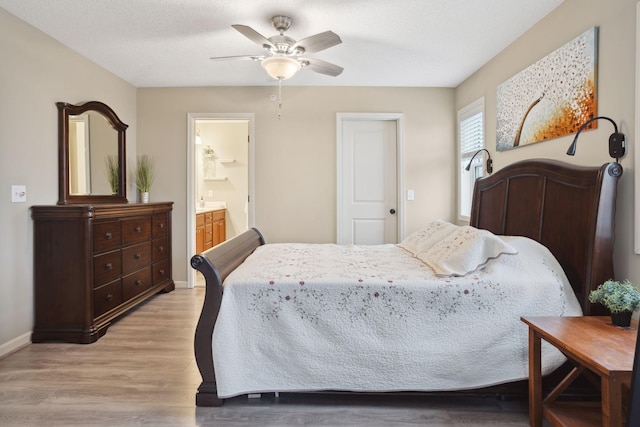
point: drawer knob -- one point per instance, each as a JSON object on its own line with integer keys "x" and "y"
{"x": 108, "y": 235}
{"x": 138, "y": 256}
{"x": 108, "y": 266}
{"x": 160, "y": 248}
{"x": 161, "y": 272}
{"x": 109, "y": 297}
{"x": 138, "y": 229}
{"x": 161, "y": 225}
{"x": 138, "y": 282}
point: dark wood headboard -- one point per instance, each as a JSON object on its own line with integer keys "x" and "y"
{"x": 569, "y": 209}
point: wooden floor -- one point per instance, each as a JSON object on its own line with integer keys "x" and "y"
{"x": 143, "y": 373}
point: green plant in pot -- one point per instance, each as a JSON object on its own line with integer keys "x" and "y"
{"x": 621, "y": 298}
{"x": 144, "y": 176}
{"x": 111, "y": 163}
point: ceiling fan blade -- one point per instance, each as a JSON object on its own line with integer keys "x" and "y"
{"x": 254, "y": 36}
{"x": 240, "y": 57}
{"x": 318, "y": 42}
{"x": 322, "y": 67}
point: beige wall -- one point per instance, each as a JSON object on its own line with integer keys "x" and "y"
{"x": 616, "y": 96}
{"x": 35, "y": 73}
{"x": 295, "y": 170}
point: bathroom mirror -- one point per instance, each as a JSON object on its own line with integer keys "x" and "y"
{"x": 91, "y": 154}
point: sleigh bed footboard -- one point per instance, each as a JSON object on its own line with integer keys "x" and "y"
{"x": 215, "y": 264}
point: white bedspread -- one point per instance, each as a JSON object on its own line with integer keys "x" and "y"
{"x": 301, "y": 317}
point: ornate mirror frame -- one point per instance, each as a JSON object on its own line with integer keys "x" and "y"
{"x": 64, "y": 111}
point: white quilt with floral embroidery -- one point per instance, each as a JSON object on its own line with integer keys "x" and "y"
{"x": 308, "y": 317}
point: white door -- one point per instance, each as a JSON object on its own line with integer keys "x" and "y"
{"x": 367, "y": 186}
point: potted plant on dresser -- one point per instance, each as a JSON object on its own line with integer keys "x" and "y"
{"x": 621, "y": 298}
{"x": 144, "y": 176}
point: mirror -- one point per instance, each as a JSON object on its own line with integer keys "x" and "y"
{"x": 91, "y": 154}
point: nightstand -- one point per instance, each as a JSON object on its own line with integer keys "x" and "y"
{"x": 592, "y": 344}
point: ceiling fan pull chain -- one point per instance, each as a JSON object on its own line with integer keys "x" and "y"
{"x": 279, "y": 98}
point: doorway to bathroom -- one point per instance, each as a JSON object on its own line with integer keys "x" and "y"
{"x": 220, "y": 178}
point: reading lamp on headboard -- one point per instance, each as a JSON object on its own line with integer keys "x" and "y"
{"x": 489, "y": 161}
{"x": 616, "y": 139}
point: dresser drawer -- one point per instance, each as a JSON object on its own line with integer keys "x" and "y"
{"x": 136, "y": 229}
{"x": 160, "y": 224}
{"x": 159, "y": 248}
{"x": 135, "y": 283}
{"x": 161, "y": 271}
{"x": 106, "y": 267}
{"x": 107, "y": 297}
{"x": 106, "y": 235}
{"x": 135, "y": 257}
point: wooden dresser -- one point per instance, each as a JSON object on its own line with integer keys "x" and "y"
{"x": 92, "y": 263}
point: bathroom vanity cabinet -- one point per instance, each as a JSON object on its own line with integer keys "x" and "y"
{"x": 210, "y": 229}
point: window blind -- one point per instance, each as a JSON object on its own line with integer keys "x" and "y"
{"x": 471, "y": 133}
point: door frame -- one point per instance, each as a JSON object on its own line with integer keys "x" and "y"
{"x": 191, "y": 188}
{"x": 399, "y": 119}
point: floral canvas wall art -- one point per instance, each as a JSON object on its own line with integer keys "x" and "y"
{"x": 551, "y": 97}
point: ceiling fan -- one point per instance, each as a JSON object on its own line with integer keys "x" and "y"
{"x": 285, "y": 56}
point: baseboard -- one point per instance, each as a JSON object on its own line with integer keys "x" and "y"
{"x": 15, "y": 345}
{"x": 180, "y": 284}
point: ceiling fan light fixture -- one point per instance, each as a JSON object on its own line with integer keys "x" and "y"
{"x": 281, "y": 67}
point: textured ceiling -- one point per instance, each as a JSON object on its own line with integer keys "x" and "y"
{"x": 160, "y": 43}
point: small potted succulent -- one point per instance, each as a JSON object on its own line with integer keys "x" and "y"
{"x": 621, "y": 298}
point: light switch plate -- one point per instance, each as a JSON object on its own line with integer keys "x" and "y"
{"x": 18, "y": 193}
{"x": 410, "y": 195}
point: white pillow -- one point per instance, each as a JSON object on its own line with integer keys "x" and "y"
{"x": 464, "y": 251}
{"x": 423, "y": 240}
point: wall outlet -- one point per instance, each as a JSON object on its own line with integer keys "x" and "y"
{"x": 210, "y": 193}
{"x": 18, "y": 193}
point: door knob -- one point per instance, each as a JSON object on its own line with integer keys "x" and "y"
{"x": 392, "y": 211}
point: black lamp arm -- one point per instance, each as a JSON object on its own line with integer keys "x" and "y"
{"x": 616, "y": 140}
{"x": 489, "y": 160}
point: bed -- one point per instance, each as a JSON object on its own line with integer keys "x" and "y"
{"x": 373, "y": 319}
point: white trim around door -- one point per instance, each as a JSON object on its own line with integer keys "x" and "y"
{"x": 191, "y": 188}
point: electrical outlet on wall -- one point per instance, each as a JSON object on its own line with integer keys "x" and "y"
{"x": 18, "y": 193}
{"x": 210, "y": 193}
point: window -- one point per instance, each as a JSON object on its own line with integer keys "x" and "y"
{"x": 470, "y": 140}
